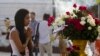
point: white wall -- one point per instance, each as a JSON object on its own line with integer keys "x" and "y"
{"x": 25, "y": 1}
{"x": 99, "y": 11}
{"x": 8, "y": 9}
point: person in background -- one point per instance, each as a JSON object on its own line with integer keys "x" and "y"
{"x": 7, "y": 24}
{"x": 33, "y": 26}
{"x": 20, "y": 36}
{"x": 10, "y": 27}
{"x": 44, "y": 36}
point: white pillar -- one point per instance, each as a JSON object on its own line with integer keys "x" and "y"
{"x": 99, "y": 11}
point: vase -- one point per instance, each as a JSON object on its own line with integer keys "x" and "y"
{"x": 81, "y": 44}
{"x": 97, "y": 45}
{"x": 62, "y": 46}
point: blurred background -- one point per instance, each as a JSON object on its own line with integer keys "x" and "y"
{"x": 55, "y": 8}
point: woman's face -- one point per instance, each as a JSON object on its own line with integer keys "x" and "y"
{"x": 26, "y": 20}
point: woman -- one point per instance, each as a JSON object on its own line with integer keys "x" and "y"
{"x": 20, "y": 37}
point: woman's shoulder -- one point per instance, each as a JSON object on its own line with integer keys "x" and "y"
{"x": 13, "y": 30}
{"x": 13, "y": 33}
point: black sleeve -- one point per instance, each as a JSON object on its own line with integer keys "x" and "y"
{"x": 37, "y": 35}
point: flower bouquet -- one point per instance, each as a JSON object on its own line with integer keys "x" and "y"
{"x": 79, "y": 24}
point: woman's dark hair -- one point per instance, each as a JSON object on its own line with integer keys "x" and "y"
{"x": 19, "y": 23}
{"x": 46, "y": 16}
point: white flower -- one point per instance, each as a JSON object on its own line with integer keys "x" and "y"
{"x": 82, "y": 22}
{"x": 89, "y": 17}
{"x": 54, "y": 24}
{"x": 83, "y": 18}
{"x": 58, "y": 22}
{"x": 98, "y": 29}
{"x": 91, "y": 22}
{"x": 74, "y": 15}
{"x": 61, "y": 22}
{"x": 57, "y": 19}
{"x": 64, "y": 16}
{"x": 89, "y": 28}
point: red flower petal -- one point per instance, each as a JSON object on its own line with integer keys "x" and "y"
{"x": 50, "y": 20}
{"x": 74, "y": 5}
{"x": 69, "y": 49}
{"x": 97, "y": 21}
{"x": 76, "y": 48}
{"x": 67, "y": 13}
{"x": 77, "y": 24}
{"x": 82, "y": 8}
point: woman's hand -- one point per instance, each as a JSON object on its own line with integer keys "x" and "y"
{"x": 28, "y": 32}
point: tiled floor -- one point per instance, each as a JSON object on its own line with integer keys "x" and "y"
{"x": 8, "y": 54}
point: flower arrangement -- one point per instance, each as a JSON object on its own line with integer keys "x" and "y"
{"x": 80, "y": 24}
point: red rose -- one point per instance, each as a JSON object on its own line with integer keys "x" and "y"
{"x": 69, "y": 49}
{"x": 50, "y": 20}
{"x": 77, "y": 24}
{"x": 67, "y": 13}
{"x": 76, "y": 48}
{"x": 82, "y": 8}
{"x": 65, "y": 28}
{"x": 74, "y": 5}
{"x": 69, "y": 20}
{"x": 92, "y": 15}
{"x": 49, "y": 23}
{"x": 97, "y": 21}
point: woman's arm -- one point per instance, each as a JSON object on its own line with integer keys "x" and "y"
{"x": 29, "y": 42}
{"x": 28, "y": 34}
{"x": 15, "y": 38}
{"x": 30, "y": 45}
